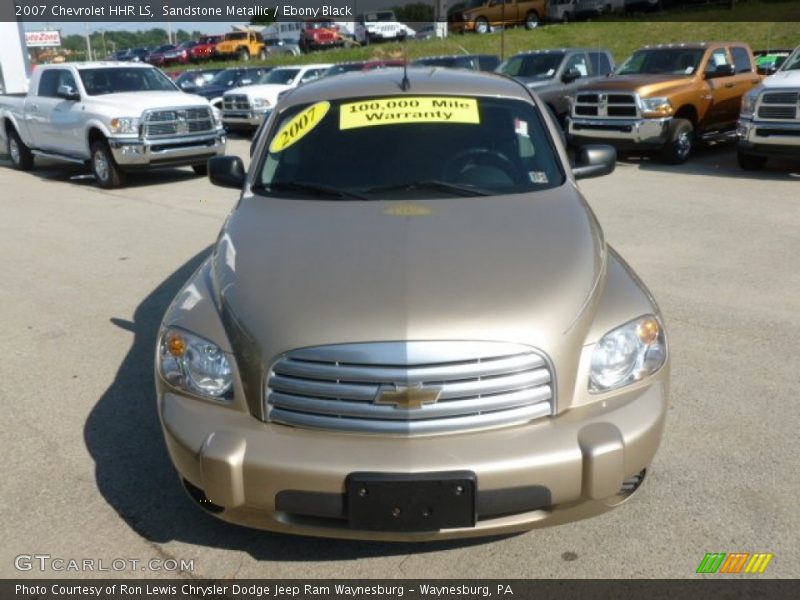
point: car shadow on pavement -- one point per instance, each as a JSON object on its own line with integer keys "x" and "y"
{"x": 82, "y": 175}
{"x": 718, "y": 160}
{"x": 134, "y": 474}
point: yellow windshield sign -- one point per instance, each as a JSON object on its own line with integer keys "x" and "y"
{"x": 415, "y": 109}
{"x": 298, "y": 126}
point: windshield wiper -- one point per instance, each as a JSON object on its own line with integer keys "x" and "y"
{"x": 432, "y": 184}
{"x": 316, "y": 188}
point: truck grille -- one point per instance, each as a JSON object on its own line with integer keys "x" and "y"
{"x": 605, "y": 104}
{"x": 779, "y": 105}
{"x": 410, "y": 388}
{"x": 236, "y": 102}
{"x": 177, "y": 121}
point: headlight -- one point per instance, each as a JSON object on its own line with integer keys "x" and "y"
{"x": 656, "y": 107}
{"x": 260, "y": 103}
{"x": 217, "y": 113}
{"x": 627, "y": 354}
{"x": 749, "y": 102}
{"x": 193, "y": 364}
{"x": 125, "y": 125}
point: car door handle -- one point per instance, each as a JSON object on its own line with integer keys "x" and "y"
{"x": 729, "y": 85}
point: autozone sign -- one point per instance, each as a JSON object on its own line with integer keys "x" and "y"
{"x": 42, "y": 39}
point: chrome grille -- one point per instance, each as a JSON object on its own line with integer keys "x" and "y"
{"x": 777, "y": 112}
{"x": 779, "y": 105}
{"x": 605, "y": 104}
{"x": 177, "y": 121}
{"x": 345, "y": 387}
{"x": 235, "y": 102}
{"x": 779, "y": 98}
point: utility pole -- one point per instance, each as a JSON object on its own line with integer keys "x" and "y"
{"x": 88, "y": 44}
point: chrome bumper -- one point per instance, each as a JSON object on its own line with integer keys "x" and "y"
{"x": 251, "y": 118}
{"x": 645, "y": 132}
{"x": 176, "y": 151}
{"x": 768, "y": 134}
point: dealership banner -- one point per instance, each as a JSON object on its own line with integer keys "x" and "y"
{"x": 42, "y": 39}
{"x": 386, "y": 589}
{"x": 43, "y": 11}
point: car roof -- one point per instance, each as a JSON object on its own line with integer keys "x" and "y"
{"x": 422, "y": 81}
{"x": 454, "y": 56}
{"x": 98, "y": 64}
{"x": 702, "y": 45}
{"x": 548, "y": 50}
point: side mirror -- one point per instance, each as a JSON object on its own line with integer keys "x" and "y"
{"x": 245, "y": 82}
{"x": 721, "y": 71}
{"x": 226, "y": 171}
{"x": 67, "y": 92}
{"x": 594, "y": 160}
{"x": 766, "y": 70}
{"x": 570, "y": 75}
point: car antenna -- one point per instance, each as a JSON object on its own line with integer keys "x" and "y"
{"x": 405, "y": 84}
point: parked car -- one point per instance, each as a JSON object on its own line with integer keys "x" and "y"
{"x": 205, "y": 47}
{"x": 246, "y": 107}
{"x": 135, "y": 55}
{"x": 769, "y": 61}
{"x": 361, "y": 65}
{"x": 278, "y": 47}
{"x": 117, "y": 117}
{"x": 319, "y": 34}
{"x": 193, "y": 79}
{"x": 481, "y": 16}
{"x": 228, "y": 79}
{"x": 180, "y": 54}
{"x": 372, "y": 397}
{"x": 242, "y": 45}
{"x": 666, "y": 98}
{"x": 769, "y": 123}
{"x": 589, "y": 9}
{"x": 380, "y": 26}
{"x": 157, "y": 56}
{"x": 475, "y": 62}
{"x": 555, "y": 75}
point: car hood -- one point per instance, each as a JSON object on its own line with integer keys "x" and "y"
{"x": 131, "y": 102}
{"x": 212, "y": 91}
{"x": 644, "y": 85}
{"x": 782, "y": 79}
{"x": 293, "y": 273}
{"x": 263, "y": 90}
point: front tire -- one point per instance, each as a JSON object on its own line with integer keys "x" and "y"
{"x": 21, "y": 155}
{"x": 750, "y": 162}
{"x": 531, "y": 20}
{"x": 106, "y": 170}
{"x": 244, "y": 55}
{"x": 680, "y": 139}
{"x": 262, "y": 55}
{"x": 481, "y": 26}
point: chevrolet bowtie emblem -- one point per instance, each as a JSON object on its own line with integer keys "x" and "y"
{"x": 407, "y": 397}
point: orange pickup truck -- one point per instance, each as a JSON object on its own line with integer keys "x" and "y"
{"x": 481, "y": 16}
{"x": 666, "y": 98}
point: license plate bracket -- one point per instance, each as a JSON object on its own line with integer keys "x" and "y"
{"x": 411, "y": 502}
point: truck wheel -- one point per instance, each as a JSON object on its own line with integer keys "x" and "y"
{"x": 262, "y": 55}
{"x": 481, "y": 25}
{"x": 531, "y": 20}
{"x": 200, "y": 170}
{"x": 244, "y": 55}
{"x": 750, "y": 162}
{"x": 21, "y": 155}
{"x": 105, "y": 169}
{"x": 680, "y": 136}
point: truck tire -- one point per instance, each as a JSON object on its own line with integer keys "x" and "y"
{"x": 262, "y": 54}
{"x": 680, "y": 136}
{"x": 481, "y": 25}
{"x": 105, "y": 169}
{"x": 200, "y": 170}
{"x": 21, "y": 155}
{"x": 244, "y": 55}
{"x": 531, "y": 20}
{"x": 750, "y": 162}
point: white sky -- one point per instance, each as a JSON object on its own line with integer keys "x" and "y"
{"x": 208, "y": 27}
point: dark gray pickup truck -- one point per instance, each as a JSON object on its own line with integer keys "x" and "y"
{"x": 555, "y": 74}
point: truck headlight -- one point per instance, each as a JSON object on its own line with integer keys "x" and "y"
{"x": 260, "y": 103}
{"x": 194, "y": 364}
{"x": 125, "y": 125}
{"x": 627, "y": 354}
{"x": 656, "y": 107}
{"x": 217, "y": 114}
{"x": 749, "y": 102}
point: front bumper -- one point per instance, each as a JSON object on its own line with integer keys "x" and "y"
{"x": 293, "y": 480}
{"x": 132, "y": 153}
{"x": 244, "y": 118}
{"x": 768, "y": 138}
{"x": 620, "y": 132}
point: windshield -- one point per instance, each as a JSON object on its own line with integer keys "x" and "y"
{"x": 279, "y": 76}
{"x": 793, "y": 62}
{"x": 406, "y": 147}
{"x": 662, "y": 61}
{"x": 320, "y": 25}
{"x": 535, "y": 66}
{"x": 439, "y": 61}
{"x": 118, "y": 80}
{"x": 226, "y": 77}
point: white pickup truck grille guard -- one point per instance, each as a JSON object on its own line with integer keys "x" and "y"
{"x": 162, "y": 123}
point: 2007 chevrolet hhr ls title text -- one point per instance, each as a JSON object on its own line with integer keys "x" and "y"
{"x": 411, "y": 326}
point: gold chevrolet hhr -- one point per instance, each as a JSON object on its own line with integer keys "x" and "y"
{"x": 411, "y": 326}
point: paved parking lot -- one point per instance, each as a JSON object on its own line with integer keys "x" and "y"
{"x": 86, "y": 275}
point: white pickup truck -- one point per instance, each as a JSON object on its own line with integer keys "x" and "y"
{"x": 117, "y": 117}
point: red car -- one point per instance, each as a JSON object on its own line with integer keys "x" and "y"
{"x": 204, "y": 48}
{"x": 318, "y": 34}
{"x": 156, "y": 57}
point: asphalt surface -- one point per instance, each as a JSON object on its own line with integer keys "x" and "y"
{"x": 85, "y": 277}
